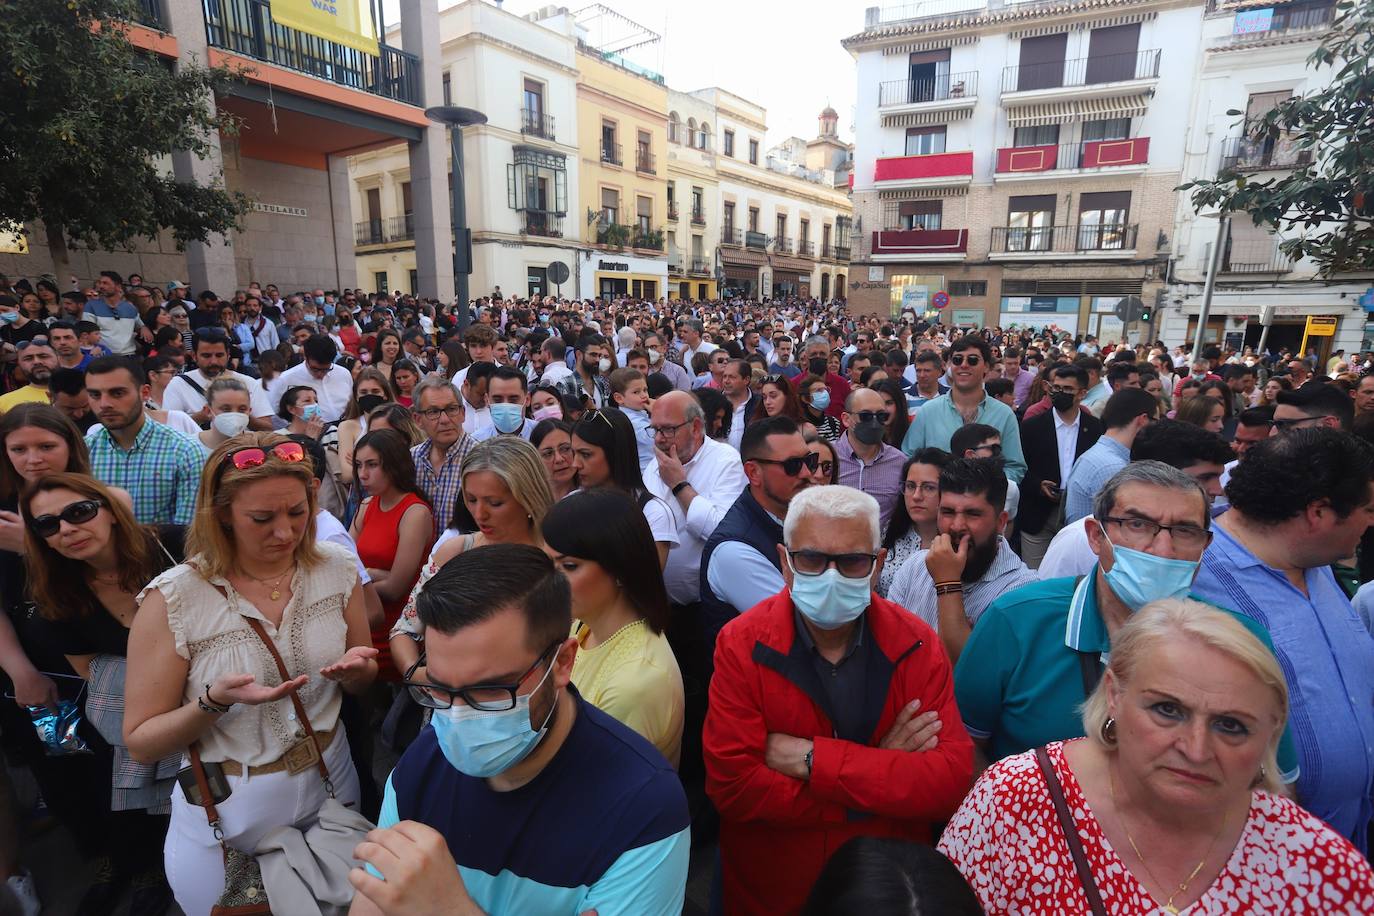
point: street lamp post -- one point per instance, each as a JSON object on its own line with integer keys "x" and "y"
{"x": 1213, "y": 264}
{"x": 456, "y": 118}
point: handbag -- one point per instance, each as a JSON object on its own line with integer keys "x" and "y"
{"x": 323, "y": 873}
{"x": 1080, "y": 858}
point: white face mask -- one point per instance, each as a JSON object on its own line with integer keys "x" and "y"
{"x": 230, "y": 424}
{"x": 654, "y": 357}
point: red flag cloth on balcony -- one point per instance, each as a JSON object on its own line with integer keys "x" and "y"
{"x": 933, "y": 165}
{"x": 920, "y": 241}
{"x": 1102, "y": 153}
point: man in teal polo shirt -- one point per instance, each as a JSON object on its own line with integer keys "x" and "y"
{"x": 1039, "y": 650}
{"x": 969, "y": 361}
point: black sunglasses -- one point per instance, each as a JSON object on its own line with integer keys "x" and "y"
{"x": 792, "y": 466}
{"x": 958, "y": 359}
{"x": 868, "y": 416}
{"x": 45, "y": 526}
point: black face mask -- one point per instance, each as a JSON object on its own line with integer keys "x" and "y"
{"x": 817, "y": 366}
{"x": 370, "y": 402}
{"x": 1062, "y": 401}
{"x": 869, "y": 432}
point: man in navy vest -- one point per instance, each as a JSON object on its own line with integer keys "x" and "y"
{"x": 739, "y": 564}
{"x": 521, "y": 797}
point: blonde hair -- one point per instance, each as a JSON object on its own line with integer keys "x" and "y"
{"x": 521, "y": 469}
{"x": 1204, "y": 625}
{"x": 210, "y": 540}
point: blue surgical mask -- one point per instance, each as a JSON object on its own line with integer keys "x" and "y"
{"x": 9, "y": 317}
{"x": 310, "y": 412}
{"x": 820, "y": 399}
{"x": 1138, "y": 578}
{"x": 830, "y": 600}
{"x": 507, "y": 418}
{"x": 319, "y": 300}
{"x": 311, "y": 317}
{"x": 486, "y": 744}
{"x": 329, "y": 308}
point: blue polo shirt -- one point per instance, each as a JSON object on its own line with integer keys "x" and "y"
{"x": 1019, "y": 682}
{"x": 604, "y": 826}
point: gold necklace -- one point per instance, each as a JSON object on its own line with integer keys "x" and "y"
{"x": 276, "y": 586}
{"x": 1183, "y": 886}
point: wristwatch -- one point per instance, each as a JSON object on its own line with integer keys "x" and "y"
{"x": 807, "y": 760}
{"x": 680, "y": 487}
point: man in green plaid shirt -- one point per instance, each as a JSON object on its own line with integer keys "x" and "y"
{"x": 157, "y": 465}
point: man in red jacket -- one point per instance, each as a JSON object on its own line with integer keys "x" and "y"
{"x": 831, "y": 713}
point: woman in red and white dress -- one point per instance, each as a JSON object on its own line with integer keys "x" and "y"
{"x": 1173, "y": 798}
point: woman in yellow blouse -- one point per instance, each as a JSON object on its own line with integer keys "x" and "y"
{"x": 624, "y": 665}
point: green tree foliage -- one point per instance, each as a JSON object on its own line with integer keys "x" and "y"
{"x": 87, "y": 122}
{"x": 1328, "y": 202}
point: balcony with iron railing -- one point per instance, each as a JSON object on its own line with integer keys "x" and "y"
{"x": 400, "y": 228}
{"x": 1246, "y": 153}
{"x": 755, "y": 240}
{"x": 941, "y": 88}
{"x": 673, "y": 211}
{"x": 543, "y": 223}
{"x": 782, "y": 245}
{"x": 645, "y": 162}
{"x": 149, "y": 13}
{"x": 698, "y": 218}
{"x": 1082, "y": 71}
{"x": 610, "y": 153}
{"x": 1087, "y": 240}
{"x": 1013, "y": 161}
{"x": 806, "y": 248}
{"x": 647, "y": 238}
{"x": 731, "y": 236}
{"x": 842, "y": 253}
{"x": 534, "y": 123}
{"x": 246, "y": 27}
{"x": 1254, "y": 257}
{"x": 1295, "y": 21}
{"x": 368, "y": 232}
{"x": 701, "y": 266}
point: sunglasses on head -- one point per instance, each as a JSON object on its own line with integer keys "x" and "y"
{"x": 958, "y": 359}
{"x": 45, "y": 526}
{"x": 792, "y": 466}
{"x": 253, "y": 456}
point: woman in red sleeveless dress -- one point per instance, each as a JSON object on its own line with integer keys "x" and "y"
{"x": 393, "y": 529}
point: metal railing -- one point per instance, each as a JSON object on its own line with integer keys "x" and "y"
{"x": 1270, "y": 153}
{"x": 806, "y": 247}
{"x": 400, "y": 228}
{"x": 246, "y": 27}
{"x": 1287, "y": 20}
{"x": 842, "y": 252}
{"x": 610, "y": 152}
{"x": 828, "y": 251}
{"x": 701, "y": 266}
{"x": 149, "y": 13}
{"x": 1070, "y": 239}
{"x": 876, "y": 16}
{"x": 673, "y": 212}
{"x": 755, "y": 240}
{"x": 1262, "y": 257}
{"x": 647, "y": 238}
{"x": 731, "y": 236}
{"x": 935, "y": 89}
{"x": 534, "y": 123}
{"x": 1082, "y": 71}
{"x": 698, "y": 218}
{"x": 543, "y": 223}
{"x": 368, "y": 232}
{"x": 782, "y": 245}
{"x": 644, "y": 162}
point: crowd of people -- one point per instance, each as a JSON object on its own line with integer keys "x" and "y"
{"x": 537, "y": 596}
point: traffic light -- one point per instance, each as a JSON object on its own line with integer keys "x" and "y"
{"x": 1146, "y": 313}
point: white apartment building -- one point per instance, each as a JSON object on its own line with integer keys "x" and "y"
{"x": 1253, "y": 56}
{"x": 1015, "y": 163}
{"x": 520, "y": 168}
{"x": 694, "y": 211}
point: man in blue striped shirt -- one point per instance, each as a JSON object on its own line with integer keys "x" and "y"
{"x": 521, "y": 797}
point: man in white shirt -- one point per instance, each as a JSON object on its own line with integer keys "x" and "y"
{"x": 554, "y": 352}
{"x": 332, "y": 384}
{"x": 263, "y": 331}
{"x": 186, "y": 392}
{"x": 476, "y": 414}
{"x": 692, "y": 336}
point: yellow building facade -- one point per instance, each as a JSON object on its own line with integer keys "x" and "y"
{"x": 622, "y": 117}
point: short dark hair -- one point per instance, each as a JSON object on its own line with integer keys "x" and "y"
{"x": 1257, "y": 416}
{"x": 507, "y": 373}
{"x": 476, "y": 584}
{"x": 212, "y": 336}
{"x": 113, "y": 276}
{"x": 479, "y": 371}
{"x": 1180, "y": 445}
{"x": 972, "y": 342}
{"x": 928, "y": 356}
{"x": 1089, "y": 364}
{"x": 996, "y": 387}
{"x": 85, "y": 327}
{"x": 1318, "y": 399}
{"x": 61, "y": 325}
{"x": 1073, "y": 371}
{"x": 871, "y": 874}
{"x": 592, "y": 340}
{"x": 1283, "y": 475}
{"x": 1127, "y": 404}
{"x": 976, "y": 477}
{"x": 971, "y": 435}
{"x": 320, "y": 348}
{"x": 620, "y": 542}
{"x": 67, "y": 381}
{"x": 755, "y": 438}
{"x": 107, "y": 364}
{"x": 1120, "y": 372}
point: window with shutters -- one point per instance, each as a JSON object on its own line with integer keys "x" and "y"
{"x": 610, "y": 206}
{"x": 1030, "y": 222}
{"x": 1037, "y": 135}
{"x": 913, "y": 214}
{"x": 1041, "y": 63}
{"x": 1112, "y": 54}
{"x": 1102, "y": 220}
{"x": 922, "y": 141}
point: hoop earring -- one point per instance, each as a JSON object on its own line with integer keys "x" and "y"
{"x": 1108, "y": 732}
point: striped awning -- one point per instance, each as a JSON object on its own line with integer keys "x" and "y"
{"x": 1129, "y": 106}
{"x": 921, "y": 118}
{"x": 1042, "y": 113}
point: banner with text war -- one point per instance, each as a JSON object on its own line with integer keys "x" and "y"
{"x": 345, "y": 22}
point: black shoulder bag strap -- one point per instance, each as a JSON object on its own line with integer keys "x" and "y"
{"x": 1080, "y": 858}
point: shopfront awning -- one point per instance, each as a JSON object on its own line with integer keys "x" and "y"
{"x": 1063, "y": 112}
{"x": 1126, "y": 106}
{"x": 922, "y": 118}
{"x": 1042, "y": 113}
{"x": 742, "y": 257}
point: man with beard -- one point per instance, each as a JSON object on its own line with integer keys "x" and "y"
{"x": 264, "y": 332}
{"x": 67, "y": 388}
{"x": 37, "y": 361}
{"x": 157, "y": 465}
{"x": 740, "y": 564}
{"x": 589, "y": 382}
{"x": 867, "y": 462}
{"x": 969, "y": 565}
{"x": 186, "y": 392}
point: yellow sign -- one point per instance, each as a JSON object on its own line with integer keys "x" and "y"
{"x": 345, "y": 22}
{"x": 13, "y": 242}
{"x": 1320, "y": 327}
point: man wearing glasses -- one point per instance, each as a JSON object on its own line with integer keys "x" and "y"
{"x": 967, "y": 402}
{"x": 1315, "y": 404}
{"x": 868, "y": 463}
{"x": 814, "y": 689}
{"x": 439, "y": 410}
{"x": 1038, "y": 651}
{"x": 332, "y": 383}
{"x": 522, "y": 798}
